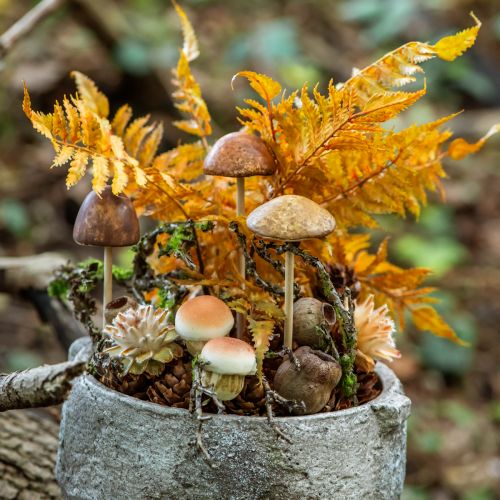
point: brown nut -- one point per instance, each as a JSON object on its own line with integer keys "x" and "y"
{"x": 117, "y": 306}
{"x": 313, "y": 383}
{"x": 309, "y": 315}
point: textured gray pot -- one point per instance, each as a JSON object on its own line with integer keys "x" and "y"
{"x": 114, "y": 446}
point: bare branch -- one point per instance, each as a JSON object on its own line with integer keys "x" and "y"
{"x": 42, "y": 386}
{"x": 27, "y": 23}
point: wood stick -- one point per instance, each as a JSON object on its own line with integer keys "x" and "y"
{"x": 26, "y": 24}
{"x": 42, "y": 386}
{"x": 240, "y": 211}
{"x": 108, "y": 281}
{"x": 289, "y": 263}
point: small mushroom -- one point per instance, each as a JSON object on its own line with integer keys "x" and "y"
{"x": 108, "y": 221}
{"x": 309, "y": 316}
{"x": 226, "y": 362}
{"x": 239, "y": 155}
{"x": 313, "y": 383}
{"x": 201, "y": 319}
{"x": 290, "y": 218}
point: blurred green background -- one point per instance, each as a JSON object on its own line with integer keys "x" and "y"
{"x": 129, "y": 48}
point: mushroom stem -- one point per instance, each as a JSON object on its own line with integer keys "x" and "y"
{"x": 289, "y": 263}
{"x": 240, "y": 211}
{"x": 108, "y": 281}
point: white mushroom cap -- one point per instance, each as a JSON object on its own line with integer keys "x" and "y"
{"x": 229, "y": 356}
{"x": 203, "y": 318}
{"x": 291, "y": 218}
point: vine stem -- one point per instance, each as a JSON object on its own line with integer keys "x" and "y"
{"x": 240, "y": 212}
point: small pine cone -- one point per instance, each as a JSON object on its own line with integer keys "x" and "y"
{"x": 132, "y": 385}
{"x": 369, "y": 387}
{"x": 250, "y": 401}
{"x": 172, "y": 389}
{"x": 342, "y": 277}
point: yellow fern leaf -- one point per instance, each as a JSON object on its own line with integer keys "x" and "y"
{"x": 100, "y": 173}
{"x": 93, "y": 98}
{"x": 121, "y": 119}
{"x": 190, "y": 44}
{"x": 150, "y": 146}
{"x": 426, "y": 318}
{"x": 188, "y": 99}
{"x": 264, "y": 85}
{"x": 63, "y": 156}
{"x": 450, "y": 47}
{"x": 77, "y": 168}
{"x": 262, "y": 330}
{"x": 120, "y": 178}
{"x": 41, "y": 122}
{"x": 460, "y": 148}
{"x": 399, "y": 67}
{"x": 135, "y": 134}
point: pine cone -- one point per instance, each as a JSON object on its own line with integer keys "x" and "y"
{"x": 172, "y": 389}
{"x": 132, "y": 385}
{"x": 250, "y": 401}
{"x": 342, "y": 277}
{"x": 369, "y": 387}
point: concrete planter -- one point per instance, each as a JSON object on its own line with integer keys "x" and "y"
{"x": 113, "y": 446}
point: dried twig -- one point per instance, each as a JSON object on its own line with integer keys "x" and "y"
{"x": 26, "y": 24}
{"x": 196, "y": 408}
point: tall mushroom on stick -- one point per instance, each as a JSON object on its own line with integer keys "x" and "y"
{"x": 108, "y": 221}
{"x": 239, "y": 155}
{"x": 290, "y": 218}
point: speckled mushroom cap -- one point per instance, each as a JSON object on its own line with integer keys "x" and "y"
{"x": 203, "y": 318}
{"x": 291, "y": 218}
{"x": 106, "y": 221}
{"x": 229, "y": 356}
{"x": 239, "y": 155}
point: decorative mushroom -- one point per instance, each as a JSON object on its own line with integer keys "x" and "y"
{"x": 239, "y": 155}
{"x": 226, "y": 363}
{"x": 106, "y": 221}
{"x": 313, "y": 384}
{"x": 290, "y": 218}
{"x": 201, "y": 319}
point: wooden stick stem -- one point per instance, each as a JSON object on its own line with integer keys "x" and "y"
{"x": 240, "y": 211}
{"x": 108, "y": 280}
{"x": 289, "y": 263}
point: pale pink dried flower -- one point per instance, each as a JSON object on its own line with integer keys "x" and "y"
{"x": 375, "y": 331}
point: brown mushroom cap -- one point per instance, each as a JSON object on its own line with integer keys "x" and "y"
{"x": 106, "y": 221}
{"x": 239, "y": 155}
{"x": 291, "y": 218}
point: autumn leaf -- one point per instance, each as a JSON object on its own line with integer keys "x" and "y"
{"x": 262, "y": 331}
{"x": 450, "y": 47}
{"x": 190, "y": 45}
{"x": 460, "y": 148}
{"x": 427, "y": 318}
{"x": 93, "y": 98}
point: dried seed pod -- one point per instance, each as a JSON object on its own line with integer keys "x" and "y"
{"x": 310, "y": 316}
{"x": 118, "y": 305}
{"x": 313, "y": 383}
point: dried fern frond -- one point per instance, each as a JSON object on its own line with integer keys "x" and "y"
{"x": 399, "y": 67}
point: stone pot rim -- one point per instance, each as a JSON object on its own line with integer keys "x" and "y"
{"x": 391, "y": 391}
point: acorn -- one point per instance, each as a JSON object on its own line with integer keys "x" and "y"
{"x": 310, "y": 316}
{"x": 313, "y": 383}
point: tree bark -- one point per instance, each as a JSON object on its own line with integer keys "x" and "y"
{"x": 27, "y": 456}
{"x": 43, "y": 386}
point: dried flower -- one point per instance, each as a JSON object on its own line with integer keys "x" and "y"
{"x": 375, "y": 334}
{"x": 144, "y": 340}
